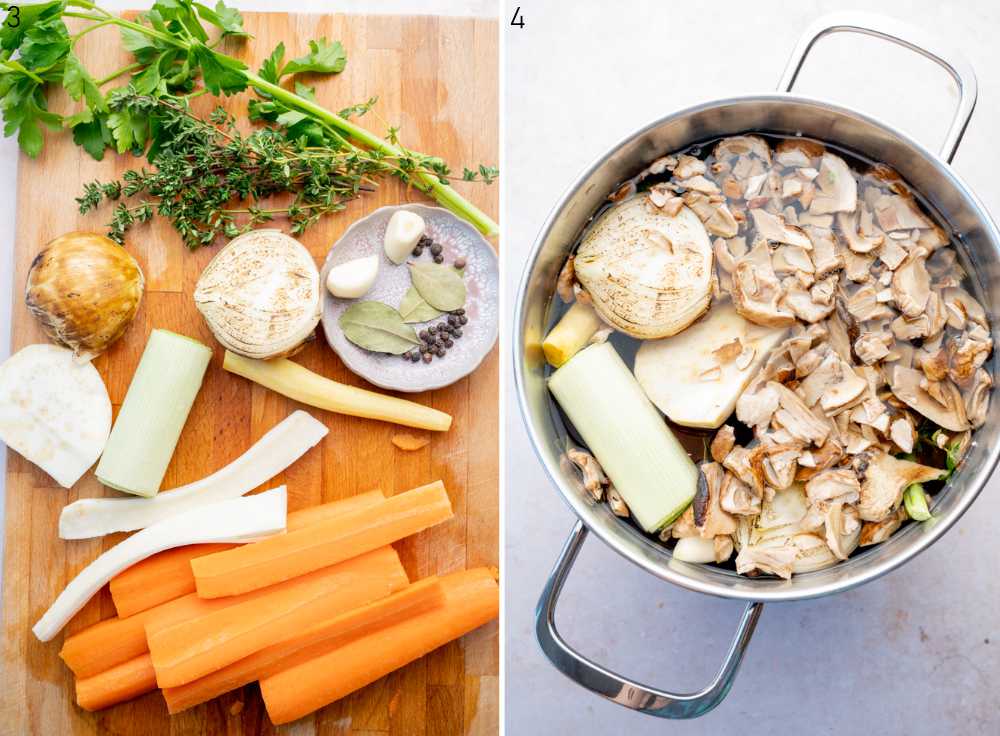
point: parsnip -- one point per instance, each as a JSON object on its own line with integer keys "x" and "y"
{"x": 571, "y": 333}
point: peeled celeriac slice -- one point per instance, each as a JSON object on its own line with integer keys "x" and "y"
{"x": 54, "y": 411}
{"x": 626, "y": 434}
{"x": 696, "y": 376}
{"x": 153, "y": 413}
{"x": 405, "y": 228}
{"x": 353, "y": 279}
{"x": 280, "y": 446}
{"x": 301, "y": 384}
{"x": 571, "y": 333}
{"x": 236, "y": 520}
{"x": 648, "y": 273}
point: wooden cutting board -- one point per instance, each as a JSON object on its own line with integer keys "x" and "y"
{"x": 437, "y": 79}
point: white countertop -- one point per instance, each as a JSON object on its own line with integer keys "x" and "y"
{"x": 916, "y": 652}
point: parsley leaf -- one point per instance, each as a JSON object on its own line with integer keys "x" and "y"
{"x": 221, "y": 73}
{"x": 270, "y": 70}
{"x": 93, "y": 136}
{"x": 79, "y": 83}
{"x": 128, "y": 130}
{"x": 229, "y": 20}
{"x": 45, "y": 44}
{"x": 12, "y": 36}
{"x": 326, "y": 57}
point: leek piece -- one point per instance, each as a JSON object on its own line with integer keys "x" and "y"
{"x": 915, "y": 500}
{"x": 571, "y": 333}
{"x": 236, "y": 520}
{"x": 280, "y": 446}
{"x": 153, "y": 414}
{"x": 301, "y": 384}
{"x": 627, "y": 435}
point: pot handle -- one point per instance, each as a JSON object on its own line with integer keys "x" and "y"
{"x": 888, "y": 29}
{"x": 615, "y": 687}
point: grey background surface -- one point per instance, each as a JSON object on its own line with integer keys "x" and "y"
{"x": 916, "y": 652}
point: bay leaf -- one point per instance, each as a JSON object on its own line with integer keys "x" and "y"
{"x": 441, "y": 286}
{"x": 414, "y": 308}
{"x": 377, "y": 327}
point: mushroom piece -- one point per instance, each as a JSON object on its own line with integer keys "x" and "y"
{"x": 738, "y": 145}
{"x": 795, "y": 417}
{"x": 776, "y": 560}
{"x": 688, "y": 167}
{"x": 802, "y": 304}
{"x": 738, "y": 497}
{"x": 722, "y": 443}
{"x": 757, "y": 291}
{"x": 833, "y": 384}
{"x": 967, "y": 354}
{"x": 616, "y": 503}
{"x": 697, "y": 184}
{"x": 773, "y": 227}
{"x": 911, "y": 284}
{"x": 723, "y": 548}
{"x": 961, "y": 308}
{"x": 780, "y": 464}
{"x": 756, "y": 407}
{"x": 709, "y": 516}
{"x": 864, "y": 305}
{"x": 871, "y": 347}
{"x": 594, "y": 479}
{"x": 838, "y": 485}
{"x": 892, "y": 254}
{"x": 977, "y": 401}
{"x": 885, "y": 479}
{"x": 902, "y": 432}
{"x": 838, "y": 189}
{"x": 876, "y": 532}
{"x": 906, "y": 385}
{"x": 843, "y": 529}
{"x": 896, "y": 212}
{"x": 716, "y": 216}
{"x": 747, "y": 464}
{"x": 564, "y": 284}
{"x": 824, "y": 250}
{"x": 858, "y": 243}
{"x": 684, "y": 526}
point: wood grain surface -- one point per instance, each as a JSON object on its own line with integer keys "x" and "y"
{"x": 437, "y": 79}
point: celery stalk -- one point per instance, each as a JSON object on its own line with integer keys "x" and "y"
{"x": 153, "y": 414}
{"x": 627, "y": 435}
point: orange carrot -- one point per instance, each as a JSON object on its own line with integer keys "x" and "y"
{"x": 413, "y": 600}
{"x": 116, "y": 685}
{"x": 190, "y": 649}
{"x": 168, "y": 575}
{"x": 117, "y": 640}
{"x": 471, "y": 599}
{"x": 324, "y": 543}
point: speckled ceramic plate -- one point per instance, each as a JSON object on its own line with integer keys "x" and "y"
{"x": 482, "y": 279}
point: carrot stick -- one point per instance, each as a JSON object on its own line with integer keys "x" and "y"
{"x": 325, "y": 543}
{"x": 413, "y": 600}
{"x": 120, "y": 683}
{"x": 168, "y": 575}
{"x": 190, "y": 649}
{"x": 117, "y": 640}
{"x": 471, "y": 599}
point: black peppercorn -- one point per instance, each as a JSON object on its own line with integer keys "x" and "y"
{"x": 440, "y": 351}
{"x": 418, "y": 251}
{"x": 457, "y": 332}
{"x": 452, "y": 319}
{"x": 463, "y": 320}
{"x": 436, "y": 249}
{"x": 448, "y": 342}
{"x": 423, "y": 334}
{"x": 439, "y": 259}
{"x": 432, "y": 329}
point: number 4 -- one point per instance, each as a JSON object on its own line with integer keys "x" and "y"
{"x": 518, "y": 19}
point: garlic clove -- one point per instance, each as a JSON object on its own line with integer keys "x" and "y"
{"x": 353, "y": 279}
{"x": 404, "y": 230}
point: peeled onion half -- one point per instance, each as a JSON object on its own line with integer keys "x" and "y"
{"x": 648, "y": 273}
{"x": 260, "y": 295}
{"x": 85, "y": 289}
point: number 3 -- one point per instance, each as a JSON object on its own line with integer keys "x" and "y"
{"x": 13, "y": 17}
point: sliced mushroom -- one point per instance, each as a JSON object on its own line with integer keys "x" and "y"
{"x": 697, "y": 184}
{"x": 722, "y": 443}
{"x": 911, "y": 284}
{"x": 885, "y": 479}
{"x": 688, "y": 166}
{"x": 684, "y": 526}
{"x": 902, "y": 432}
{"x": 616, "y": 503}
{"x": 838, "y": 190}
{"x": 906, "y": 386}
{"x": 757, "y": 291}
{"x": 843, "y": 529}
{"x": 710, "y": 518}
{"x": 977, "y": 400}
{"x": 871, "y": 347}
{"x": 858, "y": 243}
{"x": 594, "y": 479}
{"x": 833, "y": 384}
{"x": 756, "y": 407}
{"x": 825, "y": 258}
{"x": 774, "y": 228}
{"x": 738, "y": 145}
{"x": 961, "y": 308}
{"x": 895, "y": 212}
{"x": 911, "y": 328}
{"x": 801, "y": 302}
{"x": 967, "y": 354}
{"x": 795, "y": 417}
{"x": 834, "y": 484}
{"x": 892, "y": 254}
{"x": 738, "y": 497}
{"x": 723, "y": 547}
{"x": 780, "y": 465}
{"x": 864, "y": 305}
{"x": 564, "y": 284}
{"x": 747, "y": 464}
{"x": 876, "y": 532}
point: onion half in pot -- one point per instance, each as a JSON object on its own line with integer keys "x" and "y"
{"x": 260, "y": 295}
{"x": 85, "y": 290}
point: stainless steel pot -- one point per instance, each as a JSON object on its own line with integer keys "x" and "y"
{"x": 785, "y": 113}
